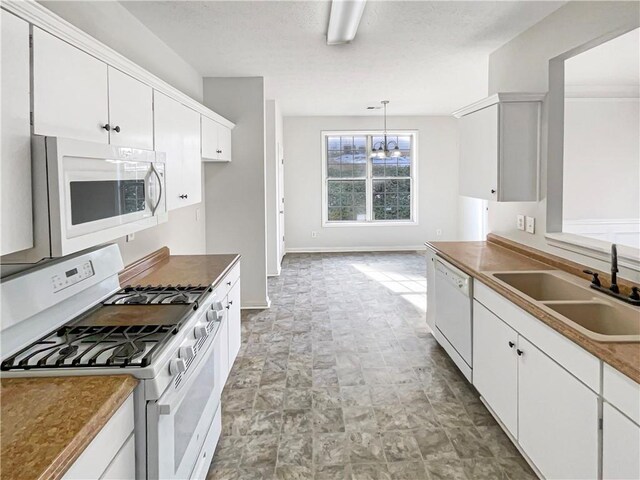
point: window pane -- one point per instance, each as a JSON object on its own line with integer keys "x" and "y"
{"x": 347, "y": 200}
{"x": 346, "y": 156}
{"x": 391, "y": 199}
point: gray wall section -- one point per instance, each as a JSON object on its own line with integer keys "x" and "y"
{"x": 235, "y": 192}
{"x": 437, "y": 184}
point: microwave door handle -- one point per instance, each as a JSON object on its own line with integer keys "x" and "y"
{"x": 153, "y": 169}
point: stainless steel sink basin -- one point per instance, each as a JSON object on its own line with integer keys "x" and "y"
{"x": 569, "y": 299}
{"x": 610, "y": 323}
{"x": 544, "y": 286}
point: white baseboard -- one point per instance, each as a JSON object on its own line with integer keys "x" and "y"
{"x": 404, "y": 248}
{"x": 256, "y": 305}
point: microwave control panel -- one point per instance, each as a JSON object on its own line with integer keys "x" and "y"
{"x": 72, "y": 276}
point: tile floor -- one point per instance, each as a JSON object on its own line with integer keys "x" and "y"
{"x": 341, "y": 379}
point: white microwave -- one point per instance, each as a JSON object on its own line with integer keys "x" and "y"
{"x": 86, "y": 194}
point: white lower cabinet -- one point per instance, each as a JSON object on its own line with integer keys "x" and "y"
{"x": 111, "y": 454}
{"x": 557, "y": 417}
{"x": 495, "y": 362}
{"x": 234, "y": 320}
{"x": 620, "y": 445}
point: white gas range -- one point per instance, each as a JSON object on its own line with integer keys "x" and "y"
{"x": 71, "y": 317}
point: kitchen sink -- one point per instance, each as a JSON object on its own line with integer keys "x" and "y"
{"x": 569, "y": 299}
{"x": 544, "y": 286}
{"x": 605, "y": 322}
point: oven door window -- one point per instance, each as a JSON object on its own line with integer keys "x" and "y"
{"x": 97, "y": 200}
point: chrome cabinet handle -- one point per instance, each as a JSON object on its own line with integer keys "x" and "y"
{"x": 153, "y": 169}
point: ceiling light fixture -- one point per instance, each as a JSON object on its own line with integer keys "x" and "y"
{"x": 385, "y": 148}
{"x": 344, "y": 20}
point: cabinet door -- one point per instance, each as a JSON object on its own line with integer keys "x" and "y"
{"x": 478, "y": 172}
{"x": 225, "y": 366}
{"x": 235, "y": 328}
{"x": 69, "y": 91}
{"x": 15, "y": 137}
{"x": 558, "y": 417}
{"x": 177, "y": 134}
{"x": 224, "y": 143}
{"x": 192, "y": 160}
{"x": 130, "y": 110}
{"x": 495, "y": 365}
{"x": 209, "y": 139}
{"x": 431, "y": 288}
{"x": 620, "y": 445}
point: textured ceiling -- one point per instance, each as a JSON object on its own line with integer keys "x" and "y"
{"x": 425, "y": 57}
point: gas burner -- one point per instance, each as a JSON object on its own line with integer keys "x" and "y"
{"x": 158, "y": 295}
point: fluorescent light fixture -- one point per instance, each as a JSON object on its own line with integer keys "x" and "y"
{"x": 344, "y": 20}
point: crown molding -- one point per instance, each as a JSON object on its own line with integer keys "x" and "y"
{"x": 504, "y": 97}
{"x": 602, "y": 91}
{"x": 43, "y": 18}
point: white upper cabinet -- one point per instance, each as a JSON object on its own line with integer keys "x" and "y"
{"x": 15, "y": 137}
{"x": 70, "y": 93}
{"x": 130, "y": 111}
{"x": 216, "y": 141}
{"x": 177, "y": 134}
{"x": 500, "y": 147}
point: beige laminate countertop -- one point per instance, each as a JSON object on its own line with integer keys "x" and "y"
{"x": 478, "y": 258}
{"x": 188, "y": 270}
{"x": 47, "y": 422}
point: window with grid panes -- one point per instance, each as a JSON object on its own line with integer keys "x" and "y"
{"x": 364, "y": 189}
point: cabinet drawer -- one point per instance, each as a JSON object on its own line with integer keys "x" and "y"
{"x": 621, "y": 392}
{"x": 572, "y": 357}
{"x": 124, "y": 465}
{"x": 227, "y": 282}
{"x": 95, "y": 459}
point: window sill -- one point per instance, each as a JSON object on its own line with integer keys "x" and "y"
{"x": 402, "y": 223}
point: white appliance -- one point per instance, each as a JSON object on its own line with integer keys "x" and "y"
{"x": 86, "y": 194}
{"x": 56, "y": 321}
{"x": 454, "y": 304}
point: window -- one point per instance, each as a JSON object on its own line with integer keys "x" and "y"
{"x": 361, "y": 189}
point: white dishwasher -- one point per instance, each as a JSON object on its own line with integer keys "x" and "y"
{"x": 454, "y": 303}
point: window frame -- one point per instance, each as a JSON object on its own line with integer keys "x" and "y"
{"x": 370, "y": 222}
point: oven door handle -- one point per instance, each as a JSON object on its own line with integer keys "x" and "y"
{"x": 153, "y": 209}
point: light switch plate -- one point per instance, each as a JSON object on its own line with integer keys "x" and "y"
{"x": 531, "y": 224}
{"x": 520, "y": 222}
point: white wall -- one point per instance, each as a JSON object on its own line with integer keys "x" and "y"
{"x": 273, "y": 124}
{"x": 601, "y": 158}
{"x": 522, "y": 65}
{"x": 117, "y": 28}
{"x": 437, "y": 185}
{"x": 235, "y": 192}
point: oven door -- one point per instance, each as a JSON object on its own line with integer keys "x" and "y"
{"x": 178, "y": 422}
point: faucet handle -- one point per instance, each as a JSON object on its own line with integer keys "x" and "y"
{"x": 595, "y": 280}
{"x": 634, "y": 293}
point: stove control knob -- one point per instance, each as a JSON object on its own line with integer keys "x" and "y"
{"x": 217, "y": 306}
{"x": 200, "y": 331}
{"x": 186, "y": 353}
{"x": 177, "y": 366}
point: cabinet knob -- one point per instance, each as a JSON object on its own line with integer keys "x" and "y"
{"x": 519, "y": 352}
{"x": 184, "y": 195}
{"x": 218, "y": 151}
{"x": 107, "y": 127}
{"x": 493, "y": 190}
{"x": 230, "y": 302}
{"x": 229, "y": 284}
{"x": 511, "y": 344}
{"x": 116, "y": 129}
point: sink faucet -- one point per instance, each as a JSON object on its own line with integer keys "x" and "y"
{"x": 614, "y": 269}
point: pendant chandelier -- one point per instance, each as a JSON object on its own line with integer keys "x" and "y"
{"x": 385, "y": 149}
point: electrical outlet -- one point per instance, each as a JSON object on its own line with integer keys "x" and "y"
{"x": 314, "y": 234}
{"x": 520, "y": 222}
{"x": 131, "y": 237}
{"x": 438, "y": 232}
{"x": 531, "y": 225}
